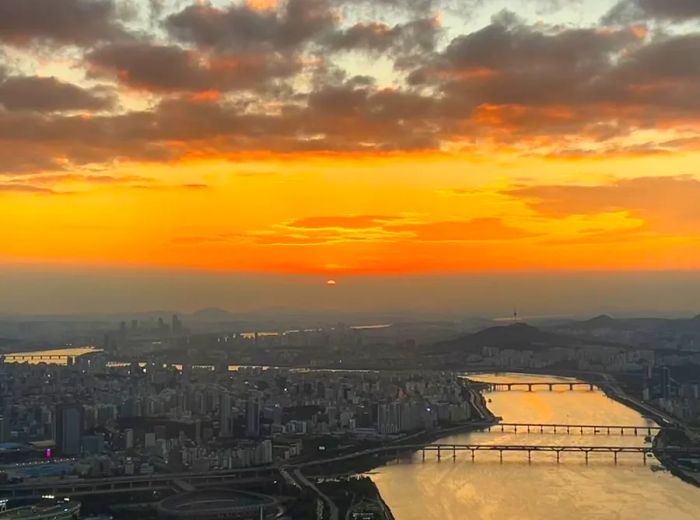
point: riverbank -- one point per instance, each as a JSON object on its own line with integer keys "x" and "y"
{"x": 670, "y": 437}
{"x": 356, "y": 495}
{"x": 353, "y": 463}
{"x": 364, "y": 464}
{"x": 611, "y": 388}
{"x": 606, "y": 382}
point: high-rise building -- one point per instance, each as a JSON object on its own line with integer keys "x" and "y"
{"x": 128, "y": 438}
{"x": 176, "y": 325}
{"x": 225, "y": 419}
{"x": 69, "y": 429}
{"x": 253, "y": 416}
{"x": 4, "y": 429}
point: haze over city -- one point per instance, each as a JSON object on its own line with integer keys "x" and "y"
{"x": 39, "y": 290}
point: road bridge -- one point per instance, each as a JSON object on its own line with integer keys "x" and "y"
{"x": 453, "y": 449}
{"x": 594, "y": 429}
{"x": 442, "y": 450}
{"x": 542, "y": 385}
{"x": 35, "y": 358}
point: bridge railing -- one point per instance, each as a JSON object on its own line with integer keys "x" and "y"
{"x": 595, "y": 429}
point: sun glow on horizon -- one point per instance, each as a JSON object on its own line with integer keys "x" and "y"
{"x": 332, "y": 140}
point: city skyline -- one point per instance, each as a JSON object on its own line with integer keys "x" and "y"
{"x": 349, "y": 259}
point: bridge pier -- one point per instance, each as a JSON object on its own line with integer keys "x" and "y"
{"x": 500, "y": 453}
{"x": 438, "y": 454}
{"x": 586, "y": 457}
{"x": 472, "y": 455}
{"x": 615, "y": 457}
{"x": 454, "y": 452}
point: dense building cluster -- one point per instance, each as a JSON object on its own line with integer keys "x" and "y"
{"x": 106, "y": 420}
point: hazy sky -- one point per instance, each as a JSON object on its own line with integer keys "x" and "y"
{"x": 488, "y": 295}
{"x": 312, "y": 139}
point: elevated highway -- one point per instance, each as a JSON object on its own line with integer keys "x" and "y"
{"x": 85, "y": 487}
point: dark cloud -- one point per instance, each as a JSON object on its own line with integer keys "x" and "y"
{"x": 344, "y": 118}
{"x": 660, "y": 78}
{"x": 551, "y": 89}
{"x": 414, "y": 36}
{"x": 522, "y": 80}
{"x": 18, "y": 157}
{"x": 49, "y": 94}
{"x": 172, "y": 68}
{"x": 675, "y": 58}
{"x": 626, "y": 11}
{"x": 243, "y": 28}
{"x": 62, "y": 21}
{"x": 362, "y": 117}
{"x": 511, "y": 63}
{"x": 507, "y": 44}
{"x": 32, "y": 142}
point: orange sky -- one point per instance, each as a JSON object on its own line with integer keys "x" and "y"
{"x": 333, "y": 141}
{"x": 399, "y": 214}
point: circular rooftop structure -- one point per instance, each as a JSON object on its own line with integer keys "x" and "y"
{"x": 216, "y": 503}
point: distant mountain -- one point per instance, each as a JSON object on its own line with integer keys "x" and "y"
{"x": 603, "y": 320}
{"x": 670, "y": 325}
{"x": 212, "y": 314}
{"x": 648, "y": 333}
{"x": 519, "y": 336}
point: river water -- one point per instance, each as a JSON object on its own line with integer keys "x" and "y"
{"x": 488, "y": 489}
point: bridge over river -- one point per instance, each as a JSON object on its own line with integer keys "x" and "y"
{"x": 594, "y": 429}
{"x": 452, "y": 449}
{"x": 544, "y": 385}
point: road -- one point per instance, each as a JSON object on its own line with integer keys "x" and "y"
{"x": 304, "y": 482}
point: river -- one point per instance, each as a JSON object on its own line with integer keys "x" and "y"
{"x": 488, "y": 489}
